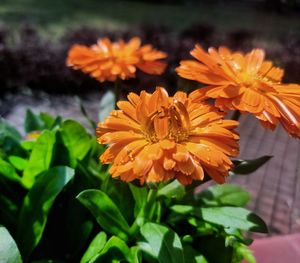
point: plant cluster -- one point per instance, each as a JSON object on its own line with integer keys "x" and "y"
{"x": 141, "y": 202}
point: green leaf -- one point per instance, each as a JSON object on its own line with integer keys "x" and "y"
{"x": 107, "y": 104}
{"x": 75, "y": 138}
{"x": 115, "y": 250}
{"x": 47, "y": 120}
{"x": 105, "y": 212}
{"x": 18, "y": 162}
{"x": 95, "y": 247}
{"x": 32, "y": 122}
{"x": 10, "y": 140}
{"x": 241, "y": 253}
{"x": 37, "y": 205}
{"x": 164, "y": 242}
{"x": 7, "y": 170}
{"x": 226, "y": 194}
{"x": 226, "y": 216}
{"x": 140, "y": 196}
{"x": 9, "y": 251}
{"x": 40, "y": 158}
{"x": 172, "y": 190}
{"x": 8, "y": 130}
{"x": 192, "y": 256}
{"x": 249, "y": 166}
{"x": 136, "y": 254}
{"x": 85, "y": 114}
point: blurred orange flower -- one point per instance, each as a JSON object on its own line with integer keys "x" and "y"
{"x": 107, "y": 61}
{"x": 154, "y": 138}
{"x": 245, "y": 82}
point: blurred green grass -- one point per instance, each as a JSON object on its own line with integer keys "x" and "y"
{"x": 54, "y": 17}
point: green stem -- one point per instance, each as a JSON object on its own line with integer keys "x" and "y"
{"x": 117, "y": 91}
{"x": 144, "y": 212}
{"x": 236, "y": 115}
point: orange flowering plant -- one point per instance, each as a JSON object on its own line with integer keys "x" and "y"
{"x": 246, "y": 83}
{"x": 146, "y": 199}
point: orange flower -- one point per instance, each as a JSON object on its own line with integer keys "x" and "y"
{"x": 107, "y": 61}
{"x": 154, "y": 138}
{"x": 246, "y": 83}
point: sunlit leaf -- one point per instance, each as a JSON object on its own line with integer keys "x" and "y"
{"x": 8, "y": 171}
{"x": 9, "y": 251}
{"x": 75, "y": 138}
{"x": 105, "y": 212}
{"x": 95, "y": 247}
{"x": 226, "y": 216}
{"x": 226, "y": 194}
{"x": 165, "y": 245}
{"x": 115, "y": 250}
{"x": 172, "y": 190}
{"x": 40, "y": 158}
{"x": 18, "y": 162}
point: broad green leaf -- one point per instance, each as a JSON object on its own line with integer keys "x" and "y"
{"x": 105, "y": 211}
{"x": 164, "y": 242}
{"x": 7, "y": 170}
{"x": 75, "y": 138}
{"x": 192, "y": 256}
{"x": 226, "y": 216}
{"x": 47, "y": 120}
{"x": 10, "y": 140}
{"x": 139, "y": 195}
{"x": 40, "y": 157}
{"x": 115, "y": 250}
{"x": 249, "y": 166}
{"x": 18, "y": 162}
{"x": 9, "y": 251}
{"x": 226, "y": 194}
{"x": 32, "y": 122}
{"x": 8, "y": 130}
{"x": 107, "y": 104}
{"x": 37, "y": 205}
{"x": 172, "y": 190}
{"x": 95, "y": 247}
{"x": 28, "y": 145}
{"x": 136, "y": 254}
{"x": 203, "y": 227}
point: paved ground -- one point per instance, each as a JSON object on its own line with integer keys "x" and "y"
{"x": 277, "y": 249}
{"x": 275, "y": 188}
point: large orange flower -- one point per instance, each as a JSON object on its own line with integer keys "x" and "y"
{"x": 247, "y": 83}
{"x": 154, "y": 138}
{"x": 107, "y": 61}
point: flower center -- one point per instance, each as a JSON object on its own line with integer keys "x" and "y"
{"x": 171, "y": 123}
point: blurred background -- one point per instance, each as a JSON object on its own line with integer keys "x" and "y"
{"x": 35, "y": 36}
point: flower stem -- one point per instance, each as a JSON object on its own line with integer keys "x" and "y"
{"x": 236, "y": 115}
{"x": 117, "y": 91}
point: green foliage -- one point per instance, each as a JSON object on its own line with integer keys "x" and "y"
{"x": 249, "y": 166}
{"x": 163, "y": 243}
{"x": 95, "y": 247}
{"x": 37, "y": 204}
{"x": 227, "y": 194}
{"x": 61, "y": 205}
{"x": 8, "y": 249}
{"x": 105, "y": 211}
